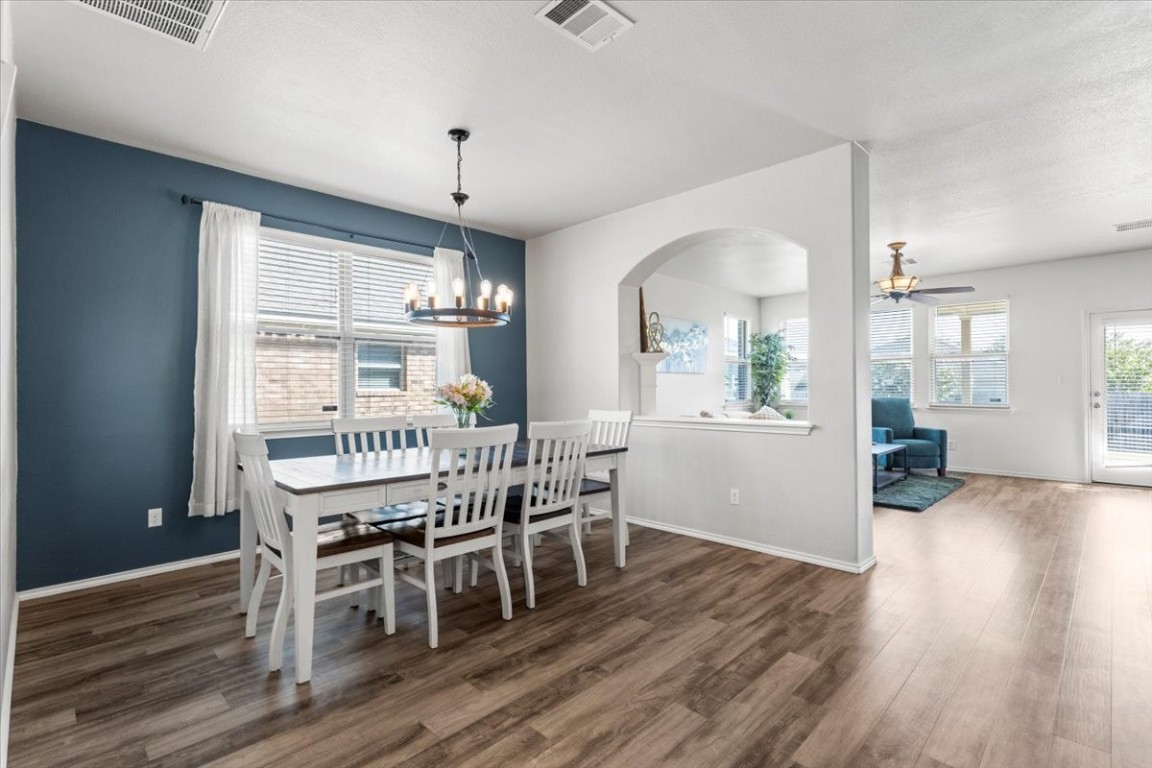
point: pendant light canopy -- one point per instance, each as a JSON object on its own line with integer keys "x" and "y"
{"x": 450, "y": 307}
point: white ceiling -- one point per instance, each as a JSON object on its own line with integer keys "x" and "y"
{"x": 743, "y": 261}
{"x": 1000, "y": 133}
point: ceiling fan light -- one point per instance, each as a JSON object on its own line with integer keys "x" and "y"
{"x": 897, "y": 283}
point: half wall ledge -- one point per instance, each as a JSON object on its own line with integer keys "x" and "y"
{"x": 724, "y": 424}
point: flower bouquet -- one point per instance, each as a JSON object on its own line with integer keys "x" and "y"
{"x": 467, "y": 395}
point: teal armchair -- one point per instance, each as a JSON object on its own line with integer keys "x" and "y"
{"x": 892, "y": 422}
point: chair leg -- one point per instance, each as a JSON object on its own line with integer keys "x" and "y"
{"x": 458, "y": 574}
{"x": 386, "y": 606}
{"x": 578, "y": 554}
{"x": 940, "y": 472}
{"x": 475, "y": 571}
{"x": 280, "y": 625}
{"x": 526, "y": 554}
{"x": 352, "y": 576}
{"x": 257, "y": 596}
{"x": 584, "y": 515}
{"x": 430, "y": 596}
{"x": 502, "y": 580}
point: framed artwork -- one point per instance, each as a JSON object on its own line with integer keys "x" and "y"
{"x": 686, "y": 342}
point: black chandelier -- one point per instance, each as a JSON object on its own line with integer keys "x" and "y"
{"x": 453, "y": 311}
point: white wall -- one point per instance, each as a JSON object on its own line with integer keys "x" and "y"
{"x": 1044, "y": 433}
{"x": 581, "y": 333}
{"x": 679, "y": 394}
{"x": 7, "y": 367}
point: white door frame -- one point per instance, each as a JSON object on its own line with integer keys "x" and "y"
{"x": 1095, "y": 402}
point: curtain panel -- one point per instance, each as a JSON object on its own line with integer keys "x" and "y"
{"x": 452, "y": 357}
{"x": 225, "y": 388}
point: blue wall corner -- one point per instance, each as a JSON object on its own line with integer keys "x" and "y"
{"x": 106, "y": 339}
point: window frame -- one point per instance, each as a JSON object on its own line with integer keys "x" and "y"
{"x": 910, "y": 358}
{"x": 1005, "y": 356}
{"x": 740, "y": 360}
{"x": 345, "y": 333}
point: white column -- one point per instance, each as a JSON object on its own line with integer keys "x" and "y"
{"x": 647, "y": 362}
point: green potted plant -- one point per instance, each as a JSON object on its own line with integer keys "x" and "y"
{"x": 769, "y": 358}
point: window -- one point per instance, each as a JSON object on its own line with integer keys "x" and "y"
{"x": 737, "y": 377}
{"x": 970, "y": 355}
{"x": 795, "y": 387}
{"x": 891, "y": 343}
{"x": 331, "y": 337}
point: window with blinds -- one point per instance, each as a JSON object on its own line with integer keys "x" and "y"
{"x": 332, "y": 339}
{"x": 737, "y": 375}
{"x": 970, "y": 355}
{"x": 890, "y": 340}
{"x": 795, "y": 386}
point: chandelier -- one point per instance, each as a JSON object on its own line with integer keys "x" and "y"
{"x": 448, "y": 306}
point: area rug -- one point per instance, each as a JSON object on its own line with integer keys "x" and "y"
{"x": 917, "y": 493}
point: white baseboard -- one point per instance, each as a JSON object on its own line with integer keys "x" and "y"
{"x": 112, "y": 578}
{"x": 804, "y": 557}
{"x": 1025, "y": 475}
{"x": 6, "y": 692}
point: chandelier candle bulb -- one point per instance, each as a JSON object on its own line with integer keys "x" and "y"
{"x": 482, "y": 302}
{"x": 486, "y": 289}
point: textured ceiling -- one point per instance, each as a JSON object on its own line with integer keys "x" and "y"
{"x": 1000, "y": 133}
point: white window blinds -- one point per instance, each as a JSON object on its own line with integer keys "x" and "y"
{"x": 737, "y": 378}
{"x": 332, "y": 339}
{"x": 890, "y": 339}
{"x": 970, "y": 354}
{"x": 795, "y": 386}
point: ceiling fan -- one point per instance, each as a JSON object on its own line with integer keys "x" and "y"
{"x": 899, "y": 286}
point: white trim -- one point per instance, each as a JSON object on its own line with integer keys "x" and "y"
{"x": 113, "y": 578}
{"x": 1025, "y": 475}
{"x": 786, "y": 427}
{"x": 6, "y": 693}
{"x": 755, "y": 546}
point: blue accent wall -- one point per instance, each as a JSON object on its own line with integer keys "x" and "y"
{"x": 106, "y": 341}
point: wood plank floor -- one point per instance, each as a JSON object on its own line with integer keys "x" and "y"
{"x": 1008, "y": 626}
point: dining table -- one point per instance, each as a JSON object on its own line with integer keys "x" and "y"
{"x": 318, "y": 487}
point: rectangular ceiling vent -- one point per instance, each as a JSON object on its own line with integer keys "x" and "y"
{"x": 591, "y": 23}
{"x": 1130, "y": 225}
{"x": 188, "y": 21}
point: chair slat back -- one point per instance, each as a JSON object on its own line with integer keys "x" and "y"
{"x": 556, "y": 456}
{"x": 423, "y": 423}
{"x": 263, "y": 496}
{"x": 371, "y": 435}
{"x": 610, "y": 428}
{"x": 479, "y": 466}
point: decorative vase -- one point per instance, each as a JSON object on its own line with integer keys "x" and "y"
{"x": 463, "y": 419}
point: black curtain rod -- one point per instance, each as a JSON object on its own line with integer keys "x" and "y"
{"x": 188, "y": 200}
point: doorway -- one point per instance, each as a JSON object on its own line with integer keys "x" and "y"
{"x": 1120, "y": 401}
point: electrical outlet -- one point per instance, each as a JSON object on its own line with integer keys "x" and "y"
{"x": 734, "y": 496}
{"x": 155, "y": 517}
{"x": 951, "y": 445}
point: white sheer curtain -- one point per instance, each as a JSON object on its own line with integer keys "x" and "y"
{"x": 225, "y": 391}
{"x": 452, "y": 357}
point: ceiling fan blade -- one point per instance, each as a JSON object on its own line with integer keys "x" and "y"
{"x": 878, "y": 299}
{"x": 919, "y": 299}
{"x": 952, "y": 289}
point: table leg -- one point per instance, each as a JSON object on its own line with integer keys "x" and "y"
{"x": 247, "y": 550}
{"x": 305, "y": 516}
{"x": 875, "y": 474}
{"x": 616, "y": 477}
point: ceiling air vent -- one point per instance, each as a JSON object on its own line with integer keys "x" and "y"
{"x": 591, "y": 23}
{"x": 1130, "y": 225}
{"x": 188, "y": 21}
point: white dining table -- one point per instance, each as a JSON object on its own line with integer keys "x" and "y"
{"x": 316, "y": 487}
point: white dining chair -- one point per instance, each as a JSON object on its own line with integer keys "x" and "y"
{"x": 473, "y": 487}
{"x": 341, "y": 544}
{"x": 377, "y": 434}
{"x": 609, "y": 428}
{"x": 423, "y": 422}
{"x": 551, "y": 495}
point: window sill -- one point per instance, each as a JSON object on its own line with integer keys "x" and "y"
{"x": 724, "y": 425}
{"x": 991, "y": 408}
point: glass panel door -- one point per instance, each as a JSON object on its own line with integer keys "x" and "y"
{"x": 1121, "y": 398}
